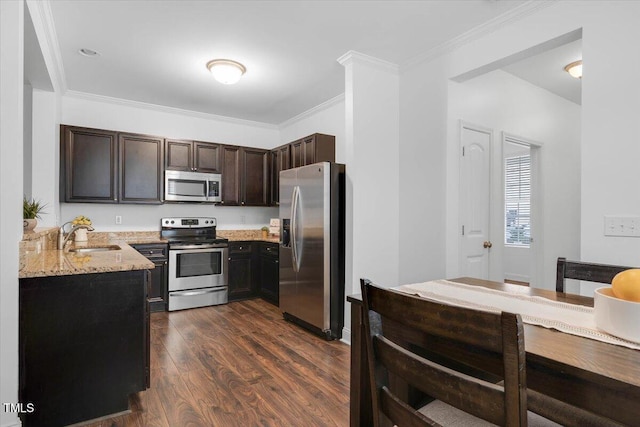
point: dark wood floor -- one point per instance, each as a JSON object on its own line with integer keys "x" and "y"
{"x": 239, "y": 364}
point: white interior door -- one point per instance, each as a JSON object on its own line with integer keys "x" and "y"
{"x": 475, "y": 192}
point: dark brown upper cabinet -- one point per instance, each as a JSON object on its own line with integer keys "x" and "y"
{"x": 100, "y": 166}
{"x": 245, "y": 176}
{"x": 88, "y": 165}
{"x": 305, "y": 151}
{"x": 280, "y": 160}
{"x": 231, "y": 194}
{"x": 141, "y": 169}
{"x": 192, "y": 156}
{"x": 255, "y": 177}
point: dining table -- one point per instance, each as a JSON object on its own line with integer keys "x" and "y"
{"x": 596, "y": 376}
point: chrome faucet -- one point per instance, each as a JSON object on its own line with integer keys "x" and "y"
{"x": 64, "y": 238}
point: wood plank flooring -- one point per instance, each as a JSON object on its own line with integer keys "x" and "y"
{"x": 239, "y": 364}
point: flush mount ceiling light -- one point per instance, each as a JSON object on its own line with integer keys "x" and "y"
{"x": 87, "y": 52}
{"x": 574, "y": 69}
{"x": 226, "y": 71}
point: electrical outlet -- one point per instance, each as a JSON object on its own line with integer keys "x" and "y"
{"x": 243, "y": 219}
{"x": 118, "y": 219}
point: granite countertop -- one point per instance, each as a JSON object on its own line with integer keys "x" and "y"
{"x": 54, "y": 262}
{"x": 40, "y": 258}
{"x": 245, "y": 235}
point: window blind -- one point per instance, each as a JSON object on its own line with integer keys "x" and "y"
{"x": 517, "y": 200}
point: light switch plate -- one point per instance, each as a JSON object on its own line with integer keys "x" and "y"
{"x": 622, "y": 225}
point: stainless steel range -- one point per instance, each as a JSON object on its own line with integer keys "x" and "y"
{"x": 197, "y": 263}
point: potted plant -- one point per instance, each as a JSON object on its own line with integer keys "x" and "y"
{"x": 31, "y": 209}
{"x": 265, "y": 232}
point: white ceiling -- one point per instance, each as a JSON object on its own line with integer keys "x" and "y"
{"x": 547, "y": 71}
{"x": 155, "y": 51}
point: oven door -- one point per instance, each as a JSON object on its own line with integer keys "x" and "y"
{"x": 197, "y": 268}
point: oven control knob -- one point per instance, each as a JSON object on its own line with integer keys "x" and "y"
{"x": 172, "y": 221}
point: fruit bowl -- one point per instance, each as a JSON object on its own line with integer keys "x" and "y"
{"x": 616, "y": 316}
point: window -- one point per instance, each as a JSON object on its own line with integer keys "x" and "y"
{"x": 517, "y": 201}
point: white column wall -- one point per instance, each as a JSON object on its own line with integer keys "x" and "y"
{"x": 372, "y": 157}
{"x": 11, "y": 170}
{"x": 45, "y": 164}
{"x": 422, "y": 186}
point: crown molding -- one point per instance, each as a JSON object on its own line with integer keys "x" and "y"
{"x": 165, "y": 109}
{"x": 354, "y": 56}
{"x": 517, "y": 13}
{"x": 312, "y": 111}
{"x": 42, "y": 18}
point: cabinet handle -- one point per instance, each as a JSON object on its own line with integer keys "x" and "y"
{"x": 242, "y": 203}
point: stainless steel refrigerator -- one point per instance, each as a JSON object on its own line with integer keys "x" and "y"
{"x": 312, "y": 247}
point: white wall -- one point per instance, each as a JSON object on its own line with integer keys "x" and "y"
{"x": 327, "y": 118}
{"x": 610, "y": 142}
{"x": 609, "y": 149}
{"x": 105, "y": 113}
{"x": 11, "y": 170}
{"x": 27, "y": 146}
{"x": 45, "y": 162}
{"x": 505, "y": 103}
{"x": 422, "y": 179}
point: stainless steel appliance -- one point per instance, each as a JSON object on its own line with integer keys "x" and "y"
{"x": 197, "y": 263}
{"x": 180, "y": 186}
{"x": 312, "y": 247}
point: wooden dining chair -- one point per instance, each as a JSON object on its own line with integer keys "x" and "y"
{"x": 599, "y": 273}
{"x": 389, "y": 313}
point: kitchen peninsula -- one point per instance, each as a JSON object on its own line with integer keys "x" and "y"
{"x": 83, "y": 329}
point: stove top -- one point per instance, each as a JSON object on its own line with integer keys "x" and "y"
{"x": 190, "y": 231}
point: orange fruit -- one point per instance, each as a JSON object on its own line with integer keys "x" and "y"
{"x": 626, "y": 285}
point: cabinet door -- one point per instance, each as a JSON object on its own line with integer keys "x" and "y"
{"x": 156, "y": 253}
{"x": 230, "y": 175}
{"x": 206, "y": 157}
{"x": 141, "y": 162}
{"x": 89, "y": 162}
{"x": 297, "y": 153}
{"x": 280, "y": 160}
{"x": 255, "y": 177}
{"x": 319, "y": 148}
{"x": 178, "y": 155}
{"x": 269, "y": 272}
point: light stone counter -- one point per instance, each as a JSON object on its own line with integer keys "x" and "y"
{"x": 53, "y": 262}
{"x": 243, "y": 235}
{"x": 40, "y": 258}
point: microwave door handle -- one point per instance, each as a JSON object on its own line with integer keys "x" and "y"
{"x": 206, "y": 190}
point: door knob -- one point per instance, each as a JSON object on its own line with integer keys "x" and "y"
{"x": 487, "y": 244}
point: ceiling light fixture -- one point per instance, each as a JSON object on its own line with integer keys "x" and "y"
{"x": 574, "y": 69}
{"x": 87, "y": 52}
{"x": 226, "y": 71}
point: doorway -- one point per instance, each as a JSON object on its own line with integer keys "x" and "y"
{"x": 521, "y": 213}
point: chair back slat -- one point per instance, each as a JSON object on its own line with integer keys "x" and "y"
{"x": 590, "y": 272}
{"x": 392, "y": 356}
{"x": 474, "y": 327}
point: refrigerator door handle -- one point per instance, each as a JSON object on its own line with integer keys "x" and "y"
{"x": 294, "y": 228}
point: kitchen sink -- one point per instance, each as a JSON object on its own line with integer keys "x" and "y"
{"x": 97, "y": 249}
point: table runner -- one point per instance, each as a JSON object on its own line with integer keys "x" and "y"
{"x": 569, "y": 318}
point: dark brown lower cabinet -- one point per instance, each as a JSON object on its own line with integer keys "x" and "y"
{"x": 269, "y": 272}
{"x": 158, "y": 254}
{"x": 241, "y": 271}
{"x": 83, "y": 345}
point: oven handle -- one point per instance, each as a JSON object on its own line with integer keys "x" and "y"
{"x": 212, "y": 246}
{"x": 199, "y": 292}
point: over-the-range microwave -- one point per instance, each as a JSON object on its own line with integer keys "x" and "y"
{"x": 200, "y": 187}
